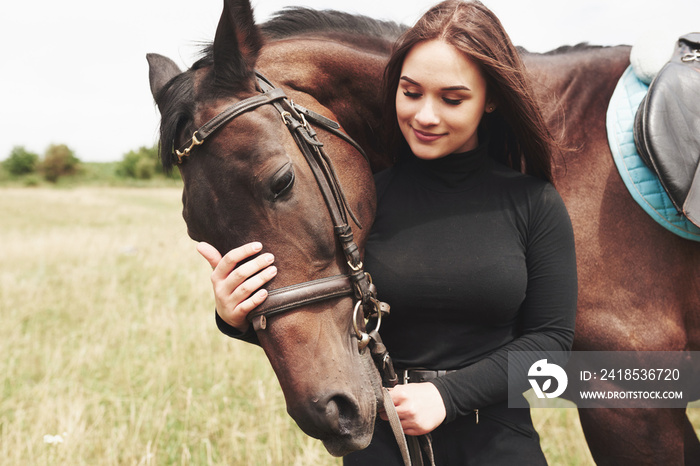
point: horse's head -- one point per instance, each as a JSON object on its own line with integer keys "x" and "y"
{"x": 250, "y": 181}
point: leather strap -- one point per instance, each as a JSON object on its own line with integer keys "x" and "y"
{"x": 420, "y": 375}
{"x": 332, "y": 127}
{"x": 283, "y": 299}
{"x": 243, "y": 106}
{"x": 415, "y": 449}
{"x": 691, "y": 207}
{"x": 421, "y": 447}
{"x": 412, "y": 448}
{"x": 227, "y": 115}
{"x": 395, "y": 424}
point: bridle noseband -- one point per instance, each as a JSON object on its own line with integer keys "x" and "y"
{"x": 356, "y": 282}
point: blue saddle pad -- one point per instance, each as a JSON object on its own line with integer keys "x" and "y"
{"x": 642, "y": 183}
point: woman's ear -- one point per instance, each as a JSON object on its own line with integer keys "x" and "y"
{"x": 491, "y": 100}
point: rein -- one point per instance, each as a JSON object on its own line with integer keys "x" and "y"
{"x": 356, "y": 282}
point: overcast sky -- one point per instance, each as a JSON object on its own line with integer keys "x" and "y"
{"x": 75, "y": 71}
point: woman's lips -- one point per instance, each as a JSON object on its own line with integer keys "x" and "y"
{"x": 426, "y": 137}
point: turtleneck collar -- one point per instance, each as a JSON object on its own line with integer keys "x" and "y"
{"x": 453, "y": 172}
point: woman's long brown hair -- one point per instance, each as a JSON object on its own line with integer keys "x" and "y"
{"x": 518, "y": 134}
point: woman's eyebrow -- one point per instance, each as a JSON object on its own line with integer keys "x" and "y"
{"x": 449, "y": 88}
{"x": 456, "y": 88}
{"x": 409, "y": 80}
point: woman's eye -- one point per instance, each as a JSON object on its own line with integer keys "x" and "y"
{"x": 411, "y": 95}
{"x": 452, "y": 101}
{"x": 282, "y": 181}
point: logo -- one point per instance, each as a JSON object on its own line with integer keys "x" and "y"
{"x": 540, "y": 370}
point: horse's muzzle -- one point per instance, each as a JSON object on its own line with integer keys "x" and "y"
{"x": 339, "y": 420}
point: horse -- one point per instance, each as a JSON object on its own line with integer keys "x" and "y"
{"x": 250, "y": 181}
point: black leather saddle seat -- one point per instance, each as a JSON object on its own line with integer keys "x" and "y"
{"x": 667, "y": 127}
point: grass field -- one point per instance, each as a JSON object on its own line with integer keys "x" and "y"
{"x": 110, "y": 354}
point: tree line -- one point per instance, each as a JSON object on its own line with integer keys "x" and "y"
{"x": 60, "y": 161}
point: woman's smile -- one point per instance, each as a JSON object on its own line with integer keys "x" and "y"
{"x": 426, "y": 136}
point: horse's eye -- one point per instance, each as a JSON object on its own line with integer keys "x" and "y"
{"x": 282, "y": 181}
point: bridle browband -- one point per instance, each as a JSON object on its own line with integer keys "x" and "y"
{"x": 356, "y": 282}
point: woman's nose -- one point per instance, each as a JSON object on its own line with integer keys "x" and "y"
{"x": 426, "y": 115}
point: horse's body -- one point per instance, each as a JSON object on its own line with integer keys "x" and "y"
{"x": 639, "y": 289}
{"x": 638, "y": 286}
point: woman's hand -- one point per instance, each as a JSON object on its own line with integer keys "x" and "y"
{"x": 419, "y": 406}
{"x": 233, "y": 288}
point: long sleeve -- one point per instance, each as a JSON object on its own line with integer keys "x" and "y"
{"x": 546, "y": 317}
{"x": 248, "y": 336}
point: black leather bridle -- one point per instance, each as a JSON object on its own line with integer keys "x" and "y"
{"x": 356, "y": 282}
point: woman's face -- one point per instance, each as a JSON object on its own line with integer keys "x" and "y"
{"x": 440, "y": 100}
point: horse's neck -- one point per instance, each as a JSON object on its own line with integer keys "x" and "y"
{"x": 574, "y": 88}
{"x": 576, "y": 85}
{"x": 345, "y": 79}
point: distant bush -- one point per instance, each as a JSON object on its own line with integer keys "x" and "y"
{"x": 141, "y": 164}
{"x": 59, "y": 161}
{"x": 21, "y": 162}
{"x": 32, "y": 181}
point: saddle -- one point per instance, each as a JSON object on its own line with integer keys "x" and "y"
{"x": 667, "y": 127}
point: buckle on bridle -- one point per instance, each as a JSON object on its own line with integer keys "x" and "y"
{"x": 186, "y": 152}
{"x": 356, "y": 268}
{"x": 286, "y": 115}
{"x": 363, "y": 337}
{"x": 692, "y": 56}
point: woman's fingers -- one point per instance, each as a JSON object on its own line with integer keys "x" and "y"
{"x": 234, "y": 305}
{"x": 210, "y": 253}
{"x": 237, "y": 286}
{"x": 233, "y": 257}
{"x": 241, "y": 311}
{"x": 242, "y": 286}
{"x": 419, "y": 407}
{"x": 239, "y": 275}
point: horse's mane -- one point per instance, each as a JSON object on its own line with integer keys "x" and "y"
{"x": 563, "y": 49}
{"x": 299, "y": 21}
{"x": 292, "y": 22}
{"x": 582, "y": 47}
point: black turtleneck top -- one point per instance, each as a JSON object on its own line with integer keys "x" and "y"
{"x": 475, "y": 260}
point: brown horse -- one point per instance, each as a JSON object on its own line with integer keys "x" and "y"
{"x": 638, "y": 286}
{"x": 251, "y": 182}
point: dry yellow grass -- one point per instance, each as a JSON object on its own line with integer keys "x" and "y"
{"x": 108, "y": 340}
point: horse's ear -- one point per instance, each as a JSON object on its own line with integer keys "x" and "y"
{"x": 237, "y": 44}
{"x": 160, "y": 70}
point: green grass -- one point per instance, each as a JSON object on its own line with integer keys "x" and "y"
{"x": 108, "y": 340}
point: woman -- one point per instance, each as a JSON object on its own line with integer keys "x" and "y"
{"x": 472, "y": 246}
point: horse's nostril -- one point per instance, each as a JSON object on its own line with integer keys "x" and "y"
{"x": 342, "y": 421}
{"x": 340, "y": 413}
